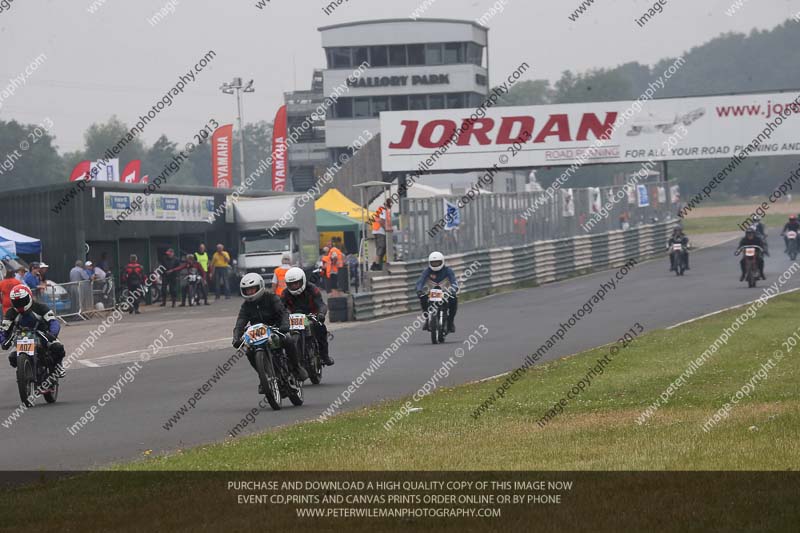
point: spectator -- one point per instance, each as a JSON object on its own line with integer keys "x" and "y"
{"x": 78, "y": 273}
{"x": 353, "y": 269}
{"x": 103, "y": 264}
{"x": 379, "y": 232}
{"x": 6, "y": 285}
{"x": 325, "y": 269}
{"x": 32, "y": 278}
{"x": 88, "y": 267}
{"x": 170, "y": 280}
{"x": 335, "y": 262}
{"x": 43, "y": 268}
{"x": 133, "y": 277}
{"x": 202, "y": 257}
{"x": 279, "y": 275}
{"x": 220, "y": 267}
{"x": 98, "y": 273}
{"x": 20, "y": 275}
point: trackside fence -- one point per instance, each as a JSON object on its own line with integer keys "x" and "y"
{"x": 539, "y": 262}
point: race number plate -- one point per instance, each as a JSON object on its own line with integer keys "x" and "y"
{"x": 749, "y": 252}
{"x": 25, "y": 345}
{"x": 791, "y": 234}
{"x": 257, "y": 332}
{"x": 436, "y": 295}
{"x": 297, "y": 321}
{"x": 677, "y": 247}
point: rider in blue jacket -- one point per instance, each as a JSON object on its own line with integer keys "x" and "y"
{"x": 25, "y": 313}
{"x": 435, "y": 274}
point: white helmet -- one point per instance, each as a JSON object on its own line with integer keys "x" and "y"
{"x": 436, "y": 261}
{"x": 295, "y": 280}
{"x": 252, "y": 286}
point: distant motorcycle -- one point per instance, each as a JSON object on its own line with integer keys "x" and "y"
{"x": 33, "y": 362}
{"x": 272, "y": 365}
{"x": 437, "y": 317}
{"x": 677, "y": 258}
{"x": 751, "y": 270}
{"x": 791, "y": 247}
{"x": 307, "y": 345}
{"x": 193, "y": 285}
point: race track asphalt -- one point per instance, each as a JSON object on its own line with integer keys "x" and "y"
{"x": 518, "y": 323}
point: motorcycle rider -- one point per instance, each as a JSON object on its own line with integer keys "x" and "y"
{"x": 133, "y": 277}
{"x": 760, "y": 230}
{"x": 678, "y": 237}
{"x": 436, "y": 273}
{"x": 304, "y": 297}
{"x": 26, "y": 313}
{"x": 751, "y": 238}
{"x": 791, "y": 225}
{"x": 262, "y": 307}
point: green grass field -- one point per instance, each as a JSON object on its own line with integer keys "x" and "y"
{"x": 596, "y": 432}
{"x": 698, "y": 225}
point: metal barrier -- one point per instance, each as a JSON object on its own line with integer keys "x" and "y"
{"x": 540, "y": 262}
{"x": 515, "y": 219}
{"x": 77, "y": 299}
{"x": 66, "y": 300}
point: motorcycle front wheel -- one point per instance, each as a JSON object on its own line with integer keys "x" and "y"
{"x": 433, "y": 325}
{"x": 25, "y": 380}
{"x": 314, "y": 365}
{"x": 268, "y": 379}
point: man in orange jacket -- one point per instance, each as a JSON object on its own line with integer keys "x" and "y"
{"x": 279, "y": 275}
{"x": 335, "y": 262}
{"x": 325, "y": 269}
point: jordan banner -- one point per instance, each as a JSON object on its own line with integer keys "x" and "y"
{"x": 222, "y": 156}
{"x": 279, "y": 151}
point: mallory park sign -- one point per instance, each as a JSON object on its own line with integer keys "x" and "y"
{"x": 399, "y": 81}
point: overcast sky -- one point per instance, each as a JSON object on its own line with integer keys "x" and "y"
{"x": 113, "y": 62}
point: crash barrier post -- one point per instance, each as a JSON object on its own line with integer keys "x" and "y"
{"x": 540, "y": 262}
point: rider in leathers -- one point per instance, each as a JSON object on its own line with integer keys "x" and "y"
{"x": 304, "y": 297}
{"x": 791, "y": 225}
{"x": 679, "y": 237}
{"x": 436, "y": 273}
{"x": 751, "y": 238}
{"x": 262, "y": 307}
{"x": 25, "y": 313}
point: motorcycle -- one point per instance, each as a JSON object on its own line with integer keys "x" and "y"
{"x": 751, "y": 270}
{"x": 677, "y": 258}
{"x": 791, "y": 247}
{"x": 307, "y": 345}
{"x": 272, "y": 365}
{"x": 437, "y": 315}
{"x": 193, "y": 281}
{"x": 33, "y": 362}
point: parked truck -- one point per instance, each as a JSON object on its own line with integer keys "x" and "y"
{"x": 272, "y": 226}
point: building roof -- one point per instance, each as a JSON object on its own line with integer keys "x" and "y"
{"x": 384, "y": 21}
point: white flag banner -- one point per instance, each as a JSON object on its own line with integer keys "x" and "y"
{"x": 108, "y": 171}
{"x": 567, "y": 203}
{"x": 452, "y": 215}
{"x": 595, "y": 199}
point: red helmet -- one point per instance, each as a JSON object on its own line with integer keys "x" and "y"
{"x": 21, "y": 298}
{"x": 792, "y": 217}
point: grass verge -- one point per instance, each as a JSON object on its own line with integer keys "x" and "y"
{"x": 596, "y": 432}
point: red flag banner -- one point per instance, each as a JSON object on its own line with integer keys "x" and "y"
{"x": 132, "y": 172}
{"x": 221, "y": 156}
{"x": 81, "y": 171}
{"x": 279, "y": 151}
